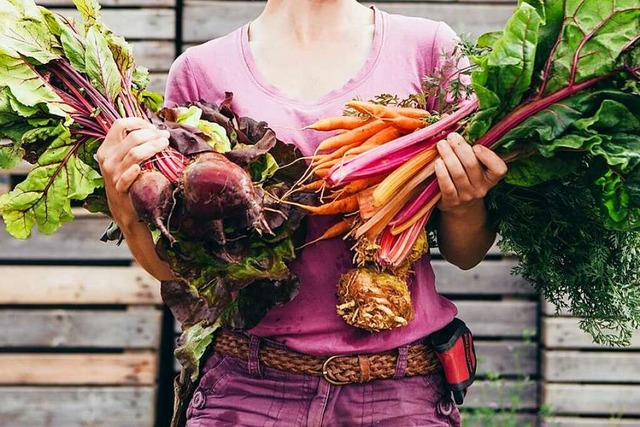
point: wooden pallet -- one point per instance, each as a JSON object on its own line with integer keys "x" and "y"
{"x": 80, "y": 329}
{"x": 586, "y": 384}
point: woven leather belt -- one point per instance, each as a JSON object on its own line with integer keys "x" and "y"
{"x": 337, "y": 370}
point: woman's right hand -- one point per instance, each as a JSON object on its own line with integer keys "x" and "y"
{"x": 129, "y": 142}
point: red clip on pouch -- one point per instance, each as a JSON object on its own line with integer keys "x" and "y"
{"x": 454, "y": 348}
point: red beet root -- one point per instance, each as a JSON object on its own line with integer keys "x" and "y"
{"x": 215, "y": 188}
{"x": 152, "y": 198}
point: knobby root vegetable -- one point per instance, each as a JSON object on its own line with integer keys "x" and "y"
{"x": 152, "y": 198}
{"x": 374, "y": 300}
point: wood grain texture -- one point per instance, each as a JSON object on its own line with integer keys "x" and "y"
{"x": 501, "y": 319}
{"x": 591, "y": 422}
{"x": 42, "y": 285}
{"x": 136, "y": 24}
{"x": 488, "y": 278}
{"x": 592, "y": 399}
{"x": 212, "y": 19}
{"x": 78, "y": 369}
{"x": 77, "y": 242}
{"x": 502, "y": 394}
{"x": 564, "y": 333}
{"x": 507, "y": 358}
{"x": 590, "y": 366}
{"x": 77, "y": 406}
{"x": 133, "y": 328}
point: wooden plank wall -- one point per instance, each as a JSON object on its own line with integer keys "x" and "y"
{"x": 586, "y": 384}
{"x": 80, "y": 325}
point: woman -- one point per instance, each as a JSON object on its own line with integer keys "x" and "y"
{"x": 301, "y": 60}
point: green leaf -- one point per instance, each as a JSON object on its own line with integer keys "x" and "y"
{"x": 193, "y": 344}
{"x": 505, "y": 74}
{"x": 44, "y": 197}
{"x": 100, "y": 65}
{"x": 74, "y": 47}
{"x": 532, "y": 171}
{"x": 25, "y": 33}
{"x": 10, "y": 154}
{"x": 90, "y": 11}
{"x": 595, "y": 34}
{"x": 27, "y": 86}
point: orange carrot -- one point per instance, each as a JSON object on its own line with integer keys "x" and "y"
{"x": 406, "y": 123}
{"x": 357, "y": 186}
{"x": 387, "y": 114}
{"x": 322, "y": 172}
{"x": 385, "y": 135}
{"x": 356, "y": 135}
{"x": 312, "y": 186}
{"x": 414, "y": 113}
{"x": 321, "y": 158}
{"x": 335, "y": 123}
{"x": 335, "y": 230}
{"x": 342, "y": 206}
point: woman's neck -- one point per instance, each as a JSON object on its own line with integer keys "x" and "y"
{"x": 306, "y": 21}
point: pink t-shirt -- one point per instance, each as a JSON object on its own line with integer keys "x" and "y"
{"x": 404, "y": 50}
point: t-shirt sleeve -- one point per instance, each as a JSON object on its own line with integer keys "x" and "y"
{"x": 181, "y": 83}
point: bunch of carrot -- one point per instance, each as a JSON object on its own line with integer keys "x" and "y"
{"x": 382, "y": 205}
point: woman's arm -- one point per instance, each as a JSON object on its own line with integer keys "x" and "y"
{"x": 129, "y": 142}
{"x": 465, "y": 175}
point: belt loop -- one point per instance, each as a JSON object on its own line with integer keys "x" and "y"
{"x": 401, "y": 362}
{"x": 254, "y": 359}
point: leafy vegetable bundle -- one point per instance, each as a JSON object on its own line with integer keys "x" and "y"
{"x": 211, "y": 198}
{"x": 557, "y": 93}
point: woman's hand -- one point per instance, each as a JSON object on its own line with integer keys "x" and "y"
{"x": 129, "y": 142}
{"x": 465, "y": 173}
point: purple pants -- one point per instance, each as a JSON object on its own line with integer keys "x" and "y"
{"x": 234, "y": 392}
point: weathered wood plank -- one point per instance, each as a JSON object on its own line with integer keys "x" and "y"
{"x": 592, "y": 399}
{"x": 77, "y": 285}
{"x": 507, "y": 357}
{"x": 136, "y": 24}
{"x": 578, "y": 366}
{"x": 488, "y": 278}
{"x": 77, "y": 406}
{"x": 591, "y": 422}
{"x": 157, "y": 56}
{"x": 499, "y": 318}
{"x": 502, "y": 394}
{"x": 158, "y": 82}
{"x": 498, "y": 419}
{"x": 76, "y": 241}
{"x": 79, "y": 369}
{"x": 205, "y": 20}
{"x": 563, "y": 333}
{"x": 134, "y": 328}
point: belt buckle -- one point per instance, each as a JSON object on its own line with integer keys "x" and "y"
{"x": 326, "y": 375}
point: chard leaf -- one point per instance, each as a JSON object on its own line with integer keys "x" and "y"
{"x": 90, "y": 11}
{"x": 532, "y": 171}
{"x": 74, "y": 47}
{"x": 594, "y": 35}
{"x": 505, "y": 74}
{"x": 27, "y": 86}
{"x": 44, "y": 197}
{"x": 192, "y": 345}
{"x": 100, "y": 65}
{"x": 27, "y": 34}
{"x": 10, "y": 154}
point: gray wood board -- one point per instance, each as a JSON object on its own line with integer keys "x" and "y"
{"x": 564, "y": 333}
{"x": 507, "y": 358}
{"x": 205, "y": 20}
{"x": 591, "y": 366}
{"x": 592, "y": 399}
{"x": 502, "y": 394}
{"x": 517, "y": 319}
{"x": 49, "y": 285}
{"x": 77, "y": 406}
{"x": 136, "y": 24}
{"x": 77, "y": 241}
{"x": 488, "y": 278}
{"x": 591, "y": 422}
{"x": 134, "y": 328}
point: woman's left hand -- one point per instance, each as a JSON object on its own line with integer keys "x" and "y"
{"x": 466, "y": 173}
